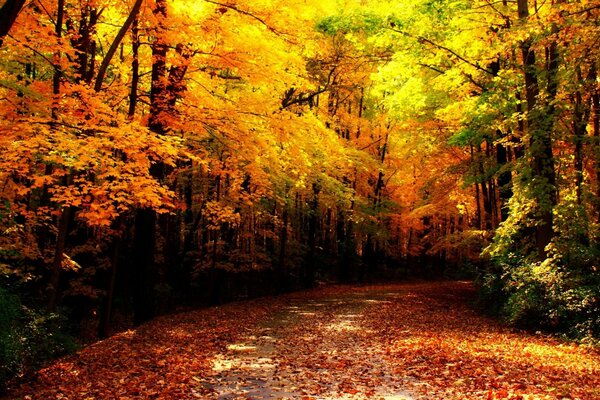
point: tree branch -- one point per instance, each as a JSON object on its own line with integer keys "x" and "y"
{"x": 422, "y": 40}
{"x": 244, "y": 12}
{"x": 115, "y": 44}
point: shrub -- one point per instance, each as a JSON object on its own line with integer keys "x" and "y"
{"x": 560, "y": 293}
{"x": 29, "y": 338}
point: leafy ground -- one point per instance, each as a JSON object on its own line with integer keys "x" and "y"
{"x": 400, "y": 341}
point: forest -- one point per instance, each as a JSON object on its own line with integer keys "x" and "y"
{"x": 164, "y": 155}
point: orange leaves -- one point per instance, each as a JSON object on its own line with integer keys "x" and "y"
{"x": 415, "y": 340}
{"x": 436, "y": 338}
{"x": 217, "y": 214}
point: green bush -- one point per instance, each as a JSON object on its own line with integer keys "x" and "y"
{"x": 10, "y": 346}
{"x": 560, "y": 293}
{"x": 29, "y": 338}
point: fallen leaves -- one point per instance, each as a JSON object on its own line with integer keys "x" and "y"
{"x": 402, "y": 341}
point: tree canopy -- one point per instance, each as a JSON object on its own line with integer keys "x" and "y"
{"x": 164, "y": 152}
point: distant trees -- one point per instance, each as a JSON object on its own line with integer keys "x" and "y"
{"x": 511, "y": 87}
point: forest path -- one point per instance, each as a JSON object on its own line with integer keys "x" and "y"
{"x": 311, "y": 348}
{"x": 396, "y": 341}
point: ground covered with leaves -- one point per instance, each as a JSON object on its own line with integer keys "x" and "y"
{"x": 400, "y": 341}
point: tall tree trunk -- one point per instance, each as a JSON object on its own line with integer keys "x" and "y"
{"x": 540, "y": 122}
{"x": 581, "y": 117}
{"x": 283, "y": 239}
{"x": 144, "y": 269}
{"x": 61, "y": 241}
{"x": 342, "y": 243}
{"x": 158, "y": 90}
{"x": 504, "y": 181}
{"x": 478, "y": 216}
{"x": 309, "y": 270}
{"x": 596, "y": 137}
{"x": 58, "y": 73}
{"x": 82, "y": 41}
{"x": 487, "y": 216}
{"x": 145, "y": 232}
{"x": 64, "y": 216}
{"x": 135, "y": 68}
{"x": 104, "y": 327}
{"x": 8, "y": 14}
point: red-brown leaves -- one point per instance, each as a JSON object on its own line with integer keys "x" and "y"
{"x": 420, "y": 341}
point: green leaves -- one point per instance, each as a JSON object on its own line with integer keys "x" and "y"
{"x": 352, "y": 22}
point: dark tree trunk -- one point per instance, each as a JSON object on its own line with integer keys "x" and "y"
{"x": 83, "y": 42}
{"x": 283, "y": 239}
{"x": 120, "y": 35}
{"x": 135, "y": 68}
{"x": 145, "y": 233}
{"x": 580, "y": 120}
{"x": 540, "y": 125}
{"x": 504, "y": 181}
{"x": 61, "y": 241}
{"x": 485, "y": 194}
{"x": 158, "y": 91}
{"x": 596, "y": 138}
{"x": 343, "y": 273}
{"x": 104, "y": 328}
{"x": 63, "y": 220}
{"x": 8, "y": 14}
{"x": 309, "y": 270}
{"x": 478, "y": 216}
{"x": 144, "y": 270}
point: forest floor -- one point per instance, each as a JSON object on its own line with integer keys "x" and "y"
{"x": 397, "y": 341}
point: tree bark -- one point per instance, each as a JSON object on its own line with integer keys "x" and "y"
{"x": 61, "y": 240}
{"x": 308, "y": 275}
{"x": 135, "y": 68}
{"x": 64, "y": 215}
{"x": 145, "y": 232}
{"x": 58, "y": 73}
{"x": 596, "y": 138}
{"x": 581, "y": 117}
{"x": 283, "y": 239}
{"x": 8, "y": 15}
{"x": 117, "y": 40}
{"x": 82, "y": 41}
{"x": 504, "y": 181}
{"x": 104, "y": 327}
{"x": 540, "y": 122}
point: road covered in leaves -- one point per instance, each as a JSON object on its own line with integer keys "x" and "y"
{"x": 398, "y": 341}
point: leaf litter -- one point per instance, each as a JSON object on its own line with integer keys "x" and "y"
{"x": 395, "y": 341}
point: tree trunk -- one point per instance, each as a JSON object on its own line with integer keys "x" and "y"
{"x": 145, "y": 232}
{"x": 104, "y": 328}
{"x": 120, "y": 35}
{"x": 485, "y": 194}
{"x": 581, "y": 116}
{"x": 82, "y": 41}
{"x": 309, "y": 270}
{"x": 283, "y": 239}
{"x": 61, "y": 241}
{"x": 504, "y": 181}
{"x": 58, "y": 73}
{"x": 596, "y": 138}
{"x": 8, "y": 14}
{"x": 540, "y": 122}
{"x": 144, "y": 271}
{"x": 135, "y": 68}
{"x": 63, "y": 220}
{"x": 478, "y": 219}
